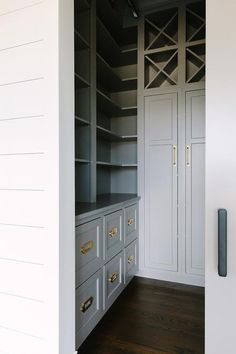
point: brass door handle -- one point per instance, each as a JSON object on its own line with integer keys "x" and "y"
{"x": 88, "y": 246}
{"x": 188, "y": 152}
{"x": 174, "y": 155}
{"x": 113, "y": 232}
{"x": 86, "y": 305}
{"x": 130, "y": 222}
{"x": 113, "y": 277}
{"x": 130, "y": 259}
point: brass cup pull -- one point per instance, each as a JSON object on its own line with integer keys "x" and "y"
{"x": 113, "y": 277}
{"x": 130, "y": 222}
{"x": 113, "y": 232}
{"x": 130, "y": 259}
{"x": 86, "y": 305}
{"x": 88, "y": 246}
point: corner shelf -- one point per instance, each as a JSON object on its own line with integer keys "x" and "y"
{"x": 80, "y": 82}
{"x": 81, "y": 121}
{"x": 115, "y": 164}
{"x": 80, "y": 41}
{"x": 106, "y": 105}
{"x": 82, "y": 161}
{"x": 113, "y": 137}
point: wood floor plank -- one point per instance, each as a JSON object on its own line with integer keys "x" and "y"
{"x": 151, "y": 317}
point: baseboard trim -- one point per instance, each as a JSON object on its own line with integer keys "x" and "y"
{"x": 176, "y": 278}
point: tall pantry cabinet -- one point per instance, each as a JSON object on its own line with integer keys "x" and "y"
{"x": 172, "y": 142}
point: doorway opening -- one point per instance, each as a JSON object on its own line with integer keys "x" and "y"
{"x": 140, "y": 171}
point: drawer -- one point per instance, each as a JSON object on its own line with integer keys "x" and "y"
{"x": 113, "y": 236}
{"x": 88, "y": 246}
{"x": 113, "y": 279}
{"x": 131, "y": 223}
{"x": 88, "y": 306}
{"x": 130, "y": 261}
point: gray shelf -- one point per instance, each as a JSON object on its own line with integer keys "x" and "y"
{"x": 81, "y": 121}
{"x": 111, "y": 108}
{"x": 116, "y": 164}
{"x": 80, "y": 41}
{"x": 84, "y": 161}
{"x": 108, "y": 135}
{"x": 106, "y": 105}
{"x": 80, "y": 82}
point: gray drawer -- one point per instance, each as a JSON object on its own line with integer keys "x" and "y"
{"x": 88, "y": 306}
{"x": 131, "y": 261}
{"x": 113, "y": 279}
{"x": 131, "y": 223}
{"x": 88, "y": 246}
{"x": 113, "y": 237}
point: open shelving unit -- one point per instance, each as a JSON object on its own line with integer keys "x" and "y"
{"x": 195, "y": 42}
{"x": 161, "y": 49}
{"x": 105, "y": 103}
{"x": 116, "y": 105}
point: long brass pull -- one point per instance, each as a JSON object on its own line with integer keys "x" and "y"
{"x": 113, "y": 277}
{"x": 174, "y": 155}
{"x": 130, "y": 259}
{"x": 86, "y": 305}
{"x": 188, "y": 162}
{"x": 130, "y": 222}
{"x": 113, "y": 232}
{"x": 88, "y": 246}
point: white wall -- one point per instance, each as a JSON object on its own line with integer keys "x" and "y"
{"x": 36, "y": 177}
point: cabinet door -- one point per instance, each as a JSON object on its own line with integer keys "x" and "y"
{"x": 195, "y": 182}
{"x": 161, "y": 182}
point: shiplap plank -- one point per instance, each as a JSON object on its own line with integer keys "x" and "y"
{"x": 23, "y": 243}
{"x": 13, "y": 5}
{"x": 22, "y": 279}
{"x": 23, "y": 136}
{"x": 27, "y": 21}
{"x": 22, "y": 172}
{"x": 19, "y": 104}
{"x": 25, "y": 67}
{"x": 25, "y": 316}
{"x": 22, "y": 208}
{"x": 12, "y": 342}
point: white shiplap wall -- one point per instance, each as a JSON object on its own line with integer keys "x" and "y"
{"x": 36, "y": 121}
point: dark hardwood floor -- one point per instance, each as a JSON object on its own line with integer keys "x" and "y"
{"x": 151, "y": 317}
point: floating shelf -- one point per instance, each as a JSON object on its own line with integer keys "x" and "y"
{"x": 108, "y": 135}
{"x": 82, "y": 161}
{"x": 115, "y": 164}
{"x": 81, "y": 121}
{"x": 80, "y": 82}
{"x": 80, "y": 41}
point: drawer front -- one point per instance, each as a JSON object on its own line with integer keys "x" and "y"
{"x": 131, "y": 223}
{"x": 88, "y": 306}
{"x": 88, "y": 245}
{"x": 131, "y": 261}
{"x": 113, "y": 279}
{"x": 113, "y": 234}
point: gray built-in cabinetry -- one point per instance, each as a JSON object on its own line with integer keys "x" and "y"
{"x": 105, "y": 102}
{"x": 172, "y": 133}
{"x": 105, "y": 160}
{"x": 106, "y": 259}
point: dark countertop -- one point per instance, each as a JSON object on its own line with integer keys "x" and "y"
{"x": 103, "y": 204}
